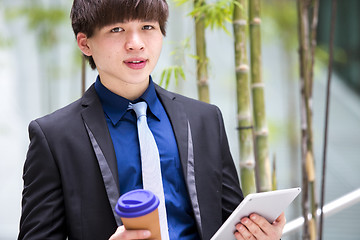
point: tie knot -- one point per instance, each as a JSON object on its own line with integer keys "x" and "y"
{"x": 139, "y": 108}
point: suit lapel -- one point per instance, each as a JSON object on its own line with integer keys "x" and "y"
{"x": 179, "y": 123}
{"x": 182, "y": 131}
{"x": 99, "y": 135}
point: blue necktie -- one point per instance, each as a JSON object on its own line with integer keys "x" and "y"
{"x": 150, "y": 164}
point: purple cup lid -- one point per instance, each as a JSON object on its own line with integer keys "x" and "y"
{"x": 136, "y": 203}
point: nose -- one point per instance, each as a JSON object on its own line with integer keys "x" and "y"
{"x": 134, "y": 42}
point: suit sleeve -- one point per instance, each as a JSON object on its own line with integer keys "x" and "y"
{"x": 231, "y": 191}
{"x": 42, "y": 199}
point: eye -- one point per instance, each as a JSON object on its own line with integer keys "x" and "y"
{"x": 117, "y": 29}
{"x": 147, "y": 27}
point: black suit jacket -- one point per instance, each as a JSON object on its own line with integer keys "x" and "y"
{"x": 70, "y": 173}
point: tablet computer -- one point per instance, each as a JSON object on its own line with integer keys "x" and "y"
{"x": 267, "y": 204}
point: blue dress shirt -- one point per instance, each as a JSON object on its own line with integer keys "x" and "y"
{"x": 123, "y": 130}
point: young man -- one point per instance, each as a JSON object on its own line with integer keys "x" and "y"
{"x": 82, "y": 157}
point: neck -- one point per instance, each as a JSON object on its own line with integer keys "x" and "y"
{"x": 130, "y": 91}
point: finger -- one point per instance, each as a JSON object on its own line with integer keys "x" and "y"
{"x": 279, "y": 224}
{"x": 281, "y": 220}
{"x": 243, "y": 232}
{"x": 253, "y": 227}
{"x": 260, "y": 221}
{"x": 117, "y": 233}
{"x": 123, "y": 234}
{"x": 237, "y": 233}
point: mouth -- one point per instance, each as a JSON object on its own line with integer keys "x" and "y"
{"x": 136, "y": 63}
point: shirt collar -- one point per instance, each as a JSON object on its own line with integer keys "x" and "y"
{"x": 116, "y": 106}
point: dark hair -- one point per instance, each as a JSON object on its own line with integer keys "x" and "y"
{"x": 87, "y": 15}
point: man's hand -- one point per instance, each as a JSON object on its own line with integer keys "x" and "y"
{"x": 123, "y": 234}
{"x": 257, "y": 227}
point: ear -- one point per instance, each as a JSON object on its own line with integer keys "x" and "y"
{"x": 82, "y": 41}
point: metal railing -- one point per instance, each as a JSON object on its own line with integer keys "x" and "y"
{"x": 331, "y": 208}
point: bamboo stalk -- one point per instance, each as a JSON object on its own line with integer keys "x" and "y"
{"x": 314, "y": 205}
{"x": 245, "y": 134}
{"x": 310, "y": 147}
{"x": 302, "y": 51}
{"x": 314, "y": 24}
{"x": 258, "y": 100}
{"x": 202, "y": 60}
{"x": 308, "y": 163}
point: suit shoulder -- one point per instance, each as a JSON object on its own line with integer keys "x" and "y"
{"x": 72, "y": 110}
{"x": 186, "y": 101}
{"x": 62, "y": 115}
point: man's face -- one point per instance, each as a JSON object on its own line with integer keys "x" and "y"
{"x": 126, "y": 53}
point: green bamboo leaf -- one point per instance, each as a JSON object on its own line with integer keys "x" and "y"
{"x": 176, "y": 74}
{"x": 186, "y": 43}
{"x": 194, "y": 56}
{"x": 215, "y": 15}
{"x": 180, "y": 2}
{"x": 162, "y": 77}
{"x": 176, "y": 71}
{"x": 181, "y": 72}
{"x": 168, "y": 76}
